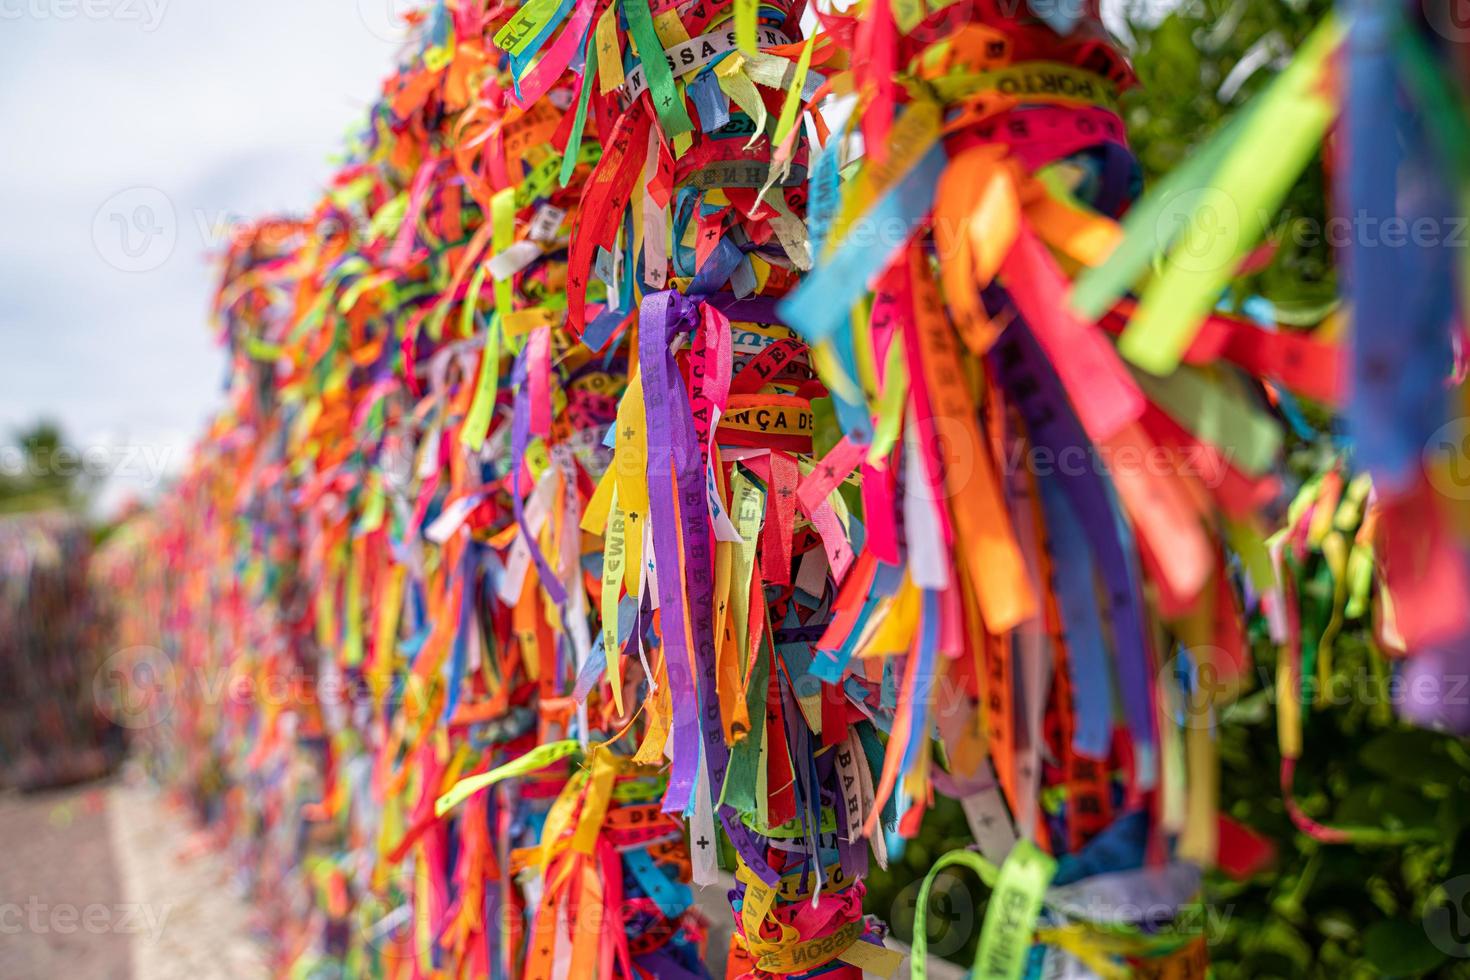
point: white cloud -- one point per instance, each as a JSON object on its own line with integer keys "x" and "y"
{"x": 222, "y": 109}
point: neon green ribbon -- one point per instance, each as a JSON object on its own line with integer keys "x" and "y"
{"x": 1005, "y": 938}
{"x": 538, "y": 758}
{"x": 673, "y": 118}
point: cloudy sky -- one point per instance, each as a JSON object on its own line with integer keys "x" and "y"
{"x": 135, "y": 132}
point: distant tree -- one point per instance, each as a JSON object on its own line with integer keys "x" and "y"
{"x": 41, "y": 470}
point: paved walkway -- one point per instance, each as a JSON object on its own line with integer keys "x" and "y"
{"x": 105, "y": 882}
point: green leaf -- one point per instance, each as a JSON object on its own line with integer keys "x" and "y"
{"x": 1399, "y": 948}
{"x": 1414, "y": 756}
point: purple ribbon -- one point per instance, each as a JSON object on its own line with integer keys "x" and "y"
{"x": 520, "y": 438}
{"x": 1033, "y": 386}
{"x": 674, "y": 459}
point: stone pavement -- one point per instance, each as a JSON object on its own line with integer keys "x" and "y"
{"x": 105, "y": 882}
{"x": 62, "y": 905}
{"x": 108, "y": 882}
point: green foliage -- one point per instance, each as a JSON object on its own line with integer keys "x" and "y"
{"x": 1197, "y": 67}
{"x": 1322, "y": 910}
{"x": 1342, "y": 910}
{"x": 42, "y": 472}
{"x": 1396, "y": 903}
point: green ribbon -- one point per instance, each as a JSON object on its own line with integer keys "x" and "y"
{"x": 673, "y": 118}
{"x": 574, "y": 142}
{"x": 1010, "y": 919}
{"x": 482, "y": 407}
{"x": 1224, "y": 196}
{"x": 538, "y": 758}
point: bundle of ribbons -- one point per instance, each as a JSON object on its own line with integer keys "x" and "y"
{"x": 1376, "y": 540}
{"x": 680, "y": 445}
